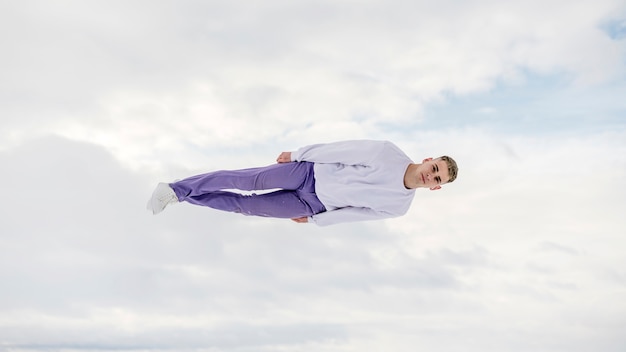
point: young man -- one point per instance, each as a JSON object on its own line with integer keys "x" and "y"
{"x": 322, "y": 183}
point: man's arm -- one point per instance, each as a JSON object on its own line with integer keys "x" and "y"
{"x": 348, "y": 214}
{"x": 358, "y": 152}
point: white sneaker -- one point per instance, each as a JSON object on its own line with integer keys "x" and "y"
{"x": 162, "y": 196}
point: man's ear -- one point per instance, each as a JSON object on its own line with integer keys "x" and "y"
{"x": 427, "y": 159}
{"x": 435, "y": 188}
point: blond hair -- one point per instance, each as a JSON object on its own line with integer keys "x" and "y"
{"x": 453, "y": 170}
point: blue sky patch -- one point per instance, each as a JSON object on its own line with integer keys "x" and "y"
{"x": 616, "y": 29}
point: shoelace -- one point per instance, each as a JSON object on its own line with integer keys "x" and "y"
{"x": 169, "y": 197}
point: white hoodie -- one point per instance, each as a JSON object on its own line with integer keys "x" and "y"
{"x": 358, "y": 180}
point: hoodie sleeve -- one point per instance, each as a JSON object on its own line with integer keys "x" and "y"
{"x": 348, "y": 214}
{"x": 359, "y": 152}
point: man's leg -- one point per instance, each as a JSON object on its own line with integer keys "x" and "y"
{"x": 290, "y": 176}
{"x": 296, "y": 197}
{"x": 278, "y": 204}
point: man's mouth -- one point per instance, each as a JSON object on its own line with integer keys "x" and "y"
{"x": 423, "y": 179}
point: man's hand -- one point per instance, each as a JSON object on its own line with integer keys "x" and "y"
{"x": 284, "y": 157}
{"x": 301, "y": 220}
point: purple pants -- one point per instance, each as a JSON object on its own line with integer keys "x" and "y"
{"x": 295, "y": 197}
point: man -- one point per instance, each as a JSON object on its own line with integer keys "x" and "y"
{"x": 322, "y": 183}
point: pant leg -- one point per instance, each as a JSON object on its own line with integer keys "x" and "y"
{"x": 291, "y": 176}
{"x": 278, "y": 204}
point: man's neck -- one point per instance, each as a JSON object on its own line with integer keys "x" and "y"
{"x": 410, "y": 176}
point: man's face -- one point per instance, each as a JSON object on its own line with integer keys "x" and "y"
{"x": 433, "y": 173}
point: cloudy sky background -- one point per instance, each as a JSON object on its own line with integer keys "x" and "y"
{"x": 100, "y": 100}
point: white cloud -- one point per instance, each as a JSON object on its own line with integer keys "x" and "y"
{"x": 140, "y": 79}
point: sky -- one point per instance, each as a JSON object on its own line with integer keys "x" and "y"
{"x": 101, "y": 100}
